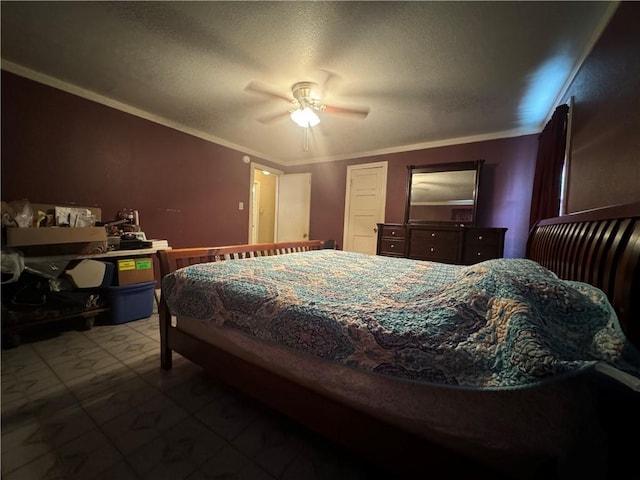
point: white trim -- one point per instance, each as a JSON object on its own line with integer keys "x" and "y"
{"x": 274, "y": 171}
{"x": 255, "y": 219}
{"x": 519, "y": 132}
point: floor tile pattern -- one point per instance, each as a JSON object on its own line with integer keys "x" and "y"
{"x": 96, "y": 405}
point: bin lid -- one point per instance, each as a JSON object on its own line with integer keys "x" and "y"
{"x": 88, "y": 273}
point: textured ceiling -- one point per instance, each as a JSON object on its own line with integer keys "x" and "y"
{"x": 431, "y": 73}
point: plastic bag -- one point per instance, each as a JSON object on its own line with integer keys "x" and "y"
{"x": 13, "y": 265}
{"x": 17, "y": 213}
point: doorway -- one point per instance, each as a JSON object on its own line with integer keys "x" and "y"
{"x": 263, "y": 207}
{"x": 280, "y": 205}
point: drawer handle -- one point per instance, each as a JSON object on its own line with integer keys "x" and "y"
{"x": 432, "y": 249}
{"x": 433, "y": 235}
{"x": 393, "y": 233}
{"x": 393, "y": 246}
{"x": 479, "y": 237}
{"x": 479, "y": 254}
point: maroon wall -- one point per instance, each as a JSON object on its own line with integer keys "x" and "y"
{"x": 605, "y": 133}
{"x": 62, "y": 149}
{"x": 504, "y": 197}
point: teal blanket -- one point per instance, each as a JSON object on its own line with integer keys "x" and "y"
{"x": 499, "y": 323}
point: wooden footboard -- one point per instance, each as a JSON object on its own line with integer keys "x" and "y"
{"x": 600, "y": 247}
{"x": 171, "y": 260}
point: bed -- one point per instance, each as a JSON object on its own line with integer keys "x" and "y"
{"x": 477, "y": 399}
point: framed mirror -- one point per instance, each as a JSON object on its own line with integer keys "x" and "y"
{"x": 443, "y": 193}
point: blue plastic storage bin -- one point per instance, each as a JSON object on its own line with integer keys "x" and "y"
{"x": 131, "y": 302}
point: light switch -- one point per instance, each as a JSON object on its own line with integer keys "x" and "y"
{"x": 241, "y": 206}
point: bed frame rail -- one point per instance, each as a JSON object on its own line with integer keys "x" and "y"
{"x": 600, "y": 247}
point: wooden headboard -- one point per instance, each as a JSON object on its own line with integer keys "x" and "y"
{"x": 600, "y": 247}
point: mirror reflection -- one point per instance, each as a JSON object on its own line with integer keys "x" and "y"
{"x": 443, "y": 193}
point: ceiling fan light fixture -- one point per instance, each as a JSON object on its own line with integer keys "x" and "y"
{"x": 305, "y": 117}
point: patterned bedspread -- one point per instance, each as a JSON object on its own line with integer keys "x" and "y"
{"x": 499, "y": 323}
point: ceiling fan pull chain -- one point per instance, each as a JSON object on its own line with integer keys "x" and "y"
{"x": 305, "y": 141}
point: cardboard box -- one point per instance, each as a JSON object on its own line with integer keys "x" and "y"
{"x": 23, "y": 237}
{"x": 134, "y": 270}
{"x": 57, "y": 240}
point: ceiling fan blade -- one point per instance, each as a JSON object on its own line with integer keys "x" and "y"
{"x": 267, "y": 119}
{"x": 358, "y": 112}
{"x": 263, "y": 90}
{"x": 329, "y": 79}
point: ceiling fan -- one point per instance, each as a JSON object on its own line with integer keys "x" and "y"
{"x": 304, "y": 105}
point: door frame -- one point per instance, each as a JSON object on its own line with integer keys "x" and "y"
{"x": 254, "y": 211}
{"x": 347, "y": 200}
{"x": 254, "y": 167}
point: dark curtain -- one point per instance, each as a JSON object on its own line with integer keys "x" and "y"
{"x": 545, "y": 200}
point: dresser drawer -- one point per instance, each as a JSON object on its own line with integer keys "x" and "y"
{"x": 435, "y": 237}
{"x": 480, "y": 253}
{"x": 389, "y": 231}
{"x": 392, "y": 247}
{"x": 436, "y": 253}
{"x": 435, "y": 245}
{"x": 483, "y": 244}
{"x": 482, "y": 237}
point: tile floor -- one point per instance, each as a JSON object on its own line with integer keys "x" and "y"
{"x": 96, "y": 405}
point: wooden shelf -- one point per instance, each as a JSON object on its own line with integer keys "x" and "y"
{"x": 110, "y": 254}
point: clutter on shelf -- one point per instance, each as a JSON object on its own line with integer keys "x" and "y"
{"x": 124, "y": 233}
{"x": 63, "y": 229}
{"x": 38, "y": 228}
{"x": 64, "y": 263}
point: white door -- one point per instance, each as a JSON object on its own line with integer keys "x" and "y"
{"x": 364, "y": 206}
{"x": 293, "y": 206}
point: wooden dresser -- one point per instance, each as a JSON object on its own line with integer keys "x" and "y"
{"x": 440, "y": 243}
